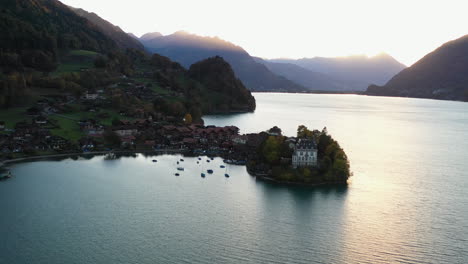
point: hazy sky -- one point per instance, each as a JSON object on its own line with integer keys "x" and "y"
{"x": 406, "y": 29}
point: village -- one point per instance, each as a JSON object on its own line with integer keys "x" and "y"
{"x": 92, "y": 123}
{"x": 141, "y": 135}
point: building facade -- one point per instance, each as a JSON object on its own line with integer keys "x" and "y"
{"x": 305, "y": 154}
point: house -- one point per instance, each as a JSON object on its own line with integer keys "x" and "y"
{"x": 125, "y": 131}
{"x": 128, "y": 141}
{"x": 40, "y": 120}
{"x": 239, "y": 140}
{"x": 305, "y": 154}
{"x": 91, "y": 96}
{"x": 57, "y": 143}
{"x": 291, "y": 141}
{"x": 87, "y": 144}
{"x": 190, "y": 141}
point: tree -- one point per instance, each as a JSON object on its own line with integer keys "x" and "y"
{"x": 188, "y": 119}
{"x": 100, "y": 62}
{"x": 116, "y": 121}
{"x": 304, "y": 132}
{"x": 272, "y": 149}
{"x": 112, "y": 139}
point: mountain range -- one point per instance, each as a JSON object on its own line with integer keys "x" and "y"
{"x": 187, "y": 49}
{"x": 325, "y": 74}
{"x": 441, "y": 74}
{"x": 48, "y": 48}
{"x": 353, "y": 73}
{"x": 39, "y": 34}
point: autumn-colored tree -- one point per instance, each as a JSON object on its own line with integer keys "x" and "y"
{"x": 188, "y": 119}
{"x": 272, "y": 149}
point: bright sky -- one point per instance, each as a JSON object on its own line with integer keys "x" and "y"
{"x": 406, "y": 29}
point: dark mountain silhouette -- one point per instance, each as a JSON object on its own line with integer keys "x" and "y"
{"x": 187, "y": 49}
{"x": 218, "y": 77}
{"x": 44, "y": 28}
{"x": 441, "y": 74}
{"x": 355, "y": 72}
{"x": 122, "y": 39}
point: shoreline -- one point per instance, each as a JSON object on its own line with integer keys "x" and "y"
{"x": 261, "y": 177}
{"x": 92, "y": 153}
{"x": 266, "y": 178}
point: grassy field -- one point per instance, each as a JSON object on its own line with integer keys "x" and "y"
{"x": 75, "y": 60}
{"x": 154, "y": 85}
{"x": 112, "y": 114}
{"x": 69, "y": 129}
{"x": 14, "y": 115}
{"x": 85, "y": 53}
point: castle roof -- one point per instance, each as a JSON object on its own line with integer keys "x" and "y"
{"x": 306, "y": 144}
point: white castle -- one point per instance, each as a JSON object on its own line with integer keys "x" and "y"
{"x": 305, "y": 153}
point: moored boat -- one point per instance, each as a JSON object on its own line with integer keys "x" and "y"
{"x": 6, "y": 177}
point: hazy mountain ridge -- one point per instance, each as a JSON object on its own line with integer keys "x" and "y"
{"x": 441, "y": 74}
{"x": 187, "y": 49}
{"x": 313, "y": 81}
{"x": 353, "y": 72}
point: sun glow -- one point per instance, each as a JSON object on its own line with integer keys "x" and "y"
{"x": 406, "y": 30}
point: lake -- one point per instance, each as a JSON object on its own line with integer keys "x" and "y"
{"x": 406, "y": 203}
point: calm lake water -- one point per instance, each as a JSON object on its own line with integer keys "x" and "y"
{"x": 406, "y": 203}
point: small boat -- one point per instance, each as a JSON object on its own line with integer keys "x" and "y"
{"x": 180, "y": 168}
{"x": 177, "y": 174}
{"x": 203, "y": 175}
{"x": 110, "y": 156}
{"x": 155, "y": 161}
{"x": 210, "y": 171}
{"x": 226, "y": 175}
{"x": 222, "y": 166}
{"x": 6, "y": 177}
